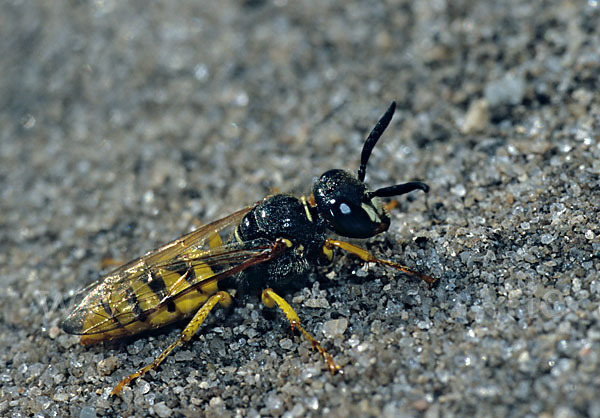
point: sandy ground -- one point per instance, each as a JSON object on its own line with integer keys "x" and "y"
{"x": 124, "y": 125}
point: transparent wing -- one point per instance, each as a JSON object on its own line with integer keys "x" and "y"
{"x": 161, "y": 278}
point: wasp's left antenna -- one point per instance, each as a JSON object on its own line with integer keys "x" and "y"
{"x": 373, "y": 138}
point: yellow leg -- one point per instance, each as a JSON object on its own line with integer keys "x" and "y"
{"x": 221, "y": 297}
{"x": 391, "y": 205}
{"x": 368, "y": 257}
{"x": 271, "y": 299}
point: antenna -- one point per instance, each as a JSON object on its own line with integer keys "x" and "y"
{"x": 398, "y": 189}
{"x": 373, "y": 138}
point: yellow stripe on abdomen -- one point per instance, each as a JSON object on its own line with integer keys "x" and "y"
{"x": 177, "y": 282}
{"x": 150, "y": 302}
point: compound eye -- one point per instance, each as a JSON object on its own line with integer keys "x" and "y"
{"x": 351, "y": 220}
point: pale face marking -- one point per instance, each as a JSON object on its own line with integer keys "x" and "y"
{"x": 371, "y": 212}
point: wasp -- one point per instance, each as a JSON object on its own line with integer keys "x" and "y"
{"x": 261, "y": 248}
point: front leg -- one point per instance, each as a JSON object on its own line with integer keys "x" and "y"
{"x": 370, "y": 258}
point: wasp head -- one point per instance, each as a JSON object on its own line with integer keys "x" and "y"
{"x": 344, "y": 201}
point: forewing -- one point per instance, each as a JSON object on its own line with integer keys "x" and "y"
{"x": 201, "y": 252}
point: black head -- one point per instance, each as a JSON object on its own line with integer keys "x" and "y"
{"x": 345, "y": 203}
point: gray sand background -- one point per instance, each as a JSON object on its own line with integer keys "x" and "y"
{"x": 123, "y": 125}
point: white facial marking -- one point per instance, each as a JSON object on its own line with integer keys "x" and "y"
{"x": 371, "y": 212}
{"x": 377, "y": 204}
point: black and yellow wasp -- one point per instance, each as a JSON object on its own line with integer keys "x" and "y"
{"x": 259, "y": 248}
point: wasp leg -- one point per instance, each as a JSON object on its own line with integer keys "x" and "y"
{"x": 369, "y": 258}
{"x": 221, "y": 297}
{"x": 271, "y": 299}
{"x": 392, "y": 204}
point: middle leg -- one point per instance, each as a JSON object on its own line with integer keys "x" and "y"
{"x": 271, "y": 299}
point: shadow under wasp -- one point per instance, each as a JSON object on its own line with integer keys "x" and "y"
{"x": 264, "y": 247}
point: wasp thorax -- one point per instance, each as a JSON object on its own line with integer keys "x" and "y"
{"x": 345, "y": 205}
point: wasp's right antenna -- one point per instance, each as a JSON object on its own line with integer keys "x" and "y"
{"x": 373, "y": 138}
{"x": 398, "y": 189}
